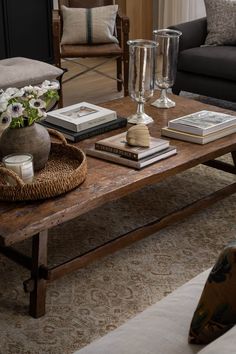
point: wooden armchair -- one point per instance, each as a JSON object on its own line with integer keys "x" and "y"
{"x": 118, "y": 51}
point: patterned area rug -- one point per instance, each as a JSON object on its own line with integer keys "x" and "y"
{"x": 93, "y": 301}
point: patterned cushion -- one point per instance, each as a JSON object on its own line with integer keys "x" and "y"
{"x": 216, "y": 310}
{"x": 221, "y": 22}
{"x": 89, "y": 26}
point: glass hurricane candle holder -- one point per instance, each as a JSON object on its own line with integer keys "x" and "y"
{"x": 142, "y": 59}
{"x": 167, "y": 56}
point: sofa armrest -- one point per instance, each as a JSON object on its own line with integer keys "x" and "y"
{"x": 193, "y": 33}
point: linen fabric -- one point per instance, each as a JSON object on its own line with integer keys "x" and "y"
{"x": 222, "y": 345}
{"x": 216, "y": 310}
{"x": 89, "y": 26}
{"x": 221, "y": 22}
{"x": 20, "y": 72}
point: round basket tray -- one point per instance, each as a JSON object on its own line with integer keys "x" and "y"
{"x": 65, "y": 170}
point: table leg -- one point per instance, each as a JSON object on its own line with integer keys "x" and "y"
{"x": 39, "y": 258}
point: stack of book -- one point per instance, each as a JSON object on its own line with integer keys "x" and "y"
{"x": 83, "y": 120}
{"x": 116, "y": 149}
{"x": 201, "y": 127}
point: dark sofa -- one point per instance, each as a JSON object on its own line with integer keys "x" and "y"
{"x": 208, "y": 71}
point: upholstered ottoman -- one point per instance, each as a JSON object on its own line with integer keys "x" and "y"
{"x": 19, "y": 72}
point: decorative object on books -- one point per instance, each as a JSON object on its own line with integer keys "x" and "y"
{"x": 167, "y": 55}
{"x": 119, "y": 122}
{"x": 138, "y": 135}
{"x": 137, "y": 164}
{"x": 202, "y": 123}
{"x": 65, "y": 170}
{"x": 216, "y": 311}
{"x": 142, "y": 59}
{"x": 80, "y": 116}
{"x": 198, "y": 139}
{"x": 117, "y": 144}
{"x": 20, "y": 109}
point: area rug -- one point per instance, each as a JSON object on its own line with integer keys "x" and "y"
{"x": 94, "y": 300}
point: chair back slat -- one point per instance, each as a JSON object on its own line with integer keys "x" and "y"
{"x": 85, "y": 3}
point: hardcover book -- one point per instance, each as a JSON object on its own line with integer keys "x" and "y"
{"x": 87, "y": 133}
{"x": 198, "y": 139}
{"x": 80, "y": 116}
{"x": 138, "y": 164}
{"x": 202, "y": 123}
{"x": 117, "y": 144}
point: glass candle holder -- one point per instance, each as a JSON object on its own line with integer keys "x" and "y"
{"x": 167, "y": 56}
{"x": 22, "y": 164}
{"x": 142, "y": 61}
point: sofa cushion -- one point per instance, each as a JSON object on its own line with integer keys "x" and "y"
{"x": 218, "y": 62}
{"x": 19, "y": 72}
{"x": 216, "y": 310}
{"x": 162, "y": 328}
{"x": 221, "y": 22}
{"x": 89, "y": 26}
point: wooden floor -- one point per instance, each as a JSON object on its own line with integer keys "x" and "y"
{"x": 91, "y": 87}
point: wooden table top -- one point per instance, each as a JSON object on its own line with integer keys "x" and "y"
{"x": 107, "y": 181}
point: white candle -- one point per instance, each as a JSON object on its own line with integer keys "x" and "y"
{"x": 22, "y": 164}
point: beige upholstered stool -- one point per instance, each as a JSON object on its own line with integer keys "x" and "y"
{"x": 19, "y": 72}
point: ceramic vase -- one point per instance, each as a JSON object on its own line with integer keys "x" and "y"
{"x": 33, "y": 139}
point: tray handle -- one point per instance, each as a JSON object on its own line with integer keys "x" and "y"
{"x": 57, "y": 135}
{"x": 6, "y": 172}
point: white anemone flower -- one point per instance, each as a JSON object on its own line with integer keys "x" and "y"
{"x": 28, "y": 89}
{"x": 3, "y": 104}
{"x": 40, "y": 91}
{"x": 4, "y": 97}
{"x": 15, "y": 110}
{"x": 42, "y": 113}
{"x": 51, "y": 85}
{"x": 37, "y": 103}
{"x": 14, "y": 92}
{"x": 5, "y": 120}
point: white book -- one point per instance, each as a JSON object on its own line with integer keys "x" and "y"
{"x": 198, "y": 139}
{"x": 109, "y": 156}
{"x": 80, "y": 116}
{"x": 202, "y": 123}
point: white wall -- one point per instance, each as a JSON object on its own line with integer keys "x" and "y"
{"x": 171, "y": 12}
{"x": 55, "y": 4}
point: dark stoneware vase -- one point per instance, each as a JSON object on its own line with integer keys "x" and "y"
{"x": 34, "y": 140}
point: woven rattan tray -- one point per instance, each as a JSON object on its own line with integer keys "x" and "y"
{"x": 65, "y": 170}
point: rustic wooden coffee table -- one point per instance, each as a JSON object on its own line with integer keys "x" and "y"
{"x": 106, "y": 182}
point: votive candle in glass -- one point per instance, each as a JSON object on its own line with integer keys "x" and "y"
{"x": 22, "y": 164}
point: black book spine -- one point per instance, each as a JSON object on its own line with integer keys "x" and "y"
{"x": 100, "y": 130}
{"x": 88, "y": 133}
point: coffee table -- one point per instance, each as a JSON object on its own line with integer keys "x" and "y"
{"x": 106, "y": 182}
